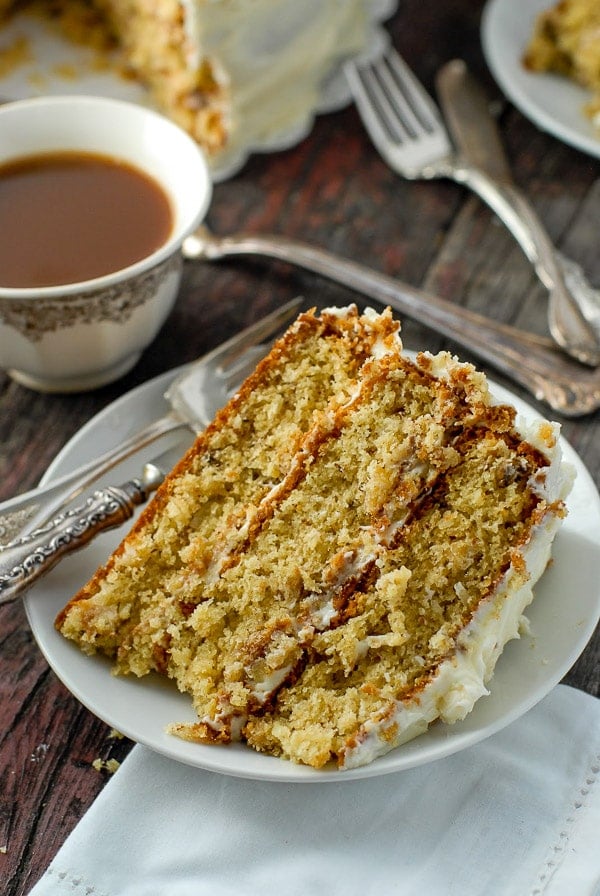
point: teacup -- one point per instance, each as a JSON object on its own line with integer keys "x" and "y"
{"x": 78, "y": 336}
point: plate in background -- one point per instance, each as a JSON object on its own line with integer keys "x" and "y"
{"x": 553, "y": 103}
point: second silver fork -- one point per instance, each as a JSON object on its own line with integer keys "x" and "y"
{"x": 407, "y": 129}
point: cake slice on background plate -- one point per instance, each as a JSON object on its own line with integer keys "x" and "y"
{"x": 566, "y": 41}
{"x": 341, "y": 556}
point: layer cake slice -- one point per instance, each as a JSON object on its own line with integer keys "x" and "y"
{"x": 341, "y": 556}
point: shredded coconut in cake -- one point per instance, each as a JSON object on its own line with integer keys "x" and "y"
{"x": 341, "y": 556}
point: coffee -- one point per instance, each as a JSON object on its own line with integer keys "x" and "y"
{"x": 67, "y": 217}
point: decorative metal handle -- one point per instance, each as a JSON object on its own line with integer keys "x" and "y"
{"x": 34, "y": 508}
{"x": 533, "y": 361}
{"x": 26, "y": 559}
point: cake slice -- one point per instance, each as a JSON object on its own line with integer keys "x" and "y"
{"x": 566, "y": 41}
{"x": 341, "y": 556}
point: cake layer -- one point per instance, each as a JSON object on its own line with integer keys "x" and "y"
{"x": 341, "y": 557}
{"x": 358, "y": 476}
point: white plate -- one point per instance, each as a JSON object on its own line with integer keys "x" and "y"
{"x": 555, "y": 104}
{"x": 563, "y": 617}
{"x": 57, "y": 66}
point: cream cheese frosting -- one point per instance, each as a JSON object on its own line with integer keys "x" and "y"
{"x": 270, "y": 58}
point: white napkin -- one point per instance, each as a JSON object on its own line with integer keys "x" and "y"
{"x": 517, "y": 815}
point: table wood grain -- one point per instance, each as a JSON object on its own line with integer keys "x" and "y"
{"x": 333, "y": 190}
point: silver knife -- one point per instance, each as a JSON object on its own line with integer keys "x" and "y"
{"x": 472, "y": 126}
{"x": 25, "y": 559}
{"x": 474, "y": 131}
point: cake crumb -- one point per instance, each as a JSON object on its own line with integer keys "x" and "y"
{"x": 39, "y": 752}
{"x": 108, "y": 765}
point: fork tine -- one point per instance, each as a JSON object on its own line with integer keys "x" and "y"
{"x": 401, "y": 118}
{"x": 405, "y": 108}
{"x": 396, "y": 116}
{"x": 360, "y": 84}
{"x": 236, "y": 373}
{"x": 402, "y": 81}
{"x": 267, "y": 326}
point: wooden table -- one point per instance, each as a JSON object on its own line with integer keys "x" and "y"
{"x": 332, "y": 190}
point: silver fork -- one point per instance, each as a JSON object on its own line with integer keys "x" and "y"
{"x": 570, "y": 388}
{"x": 407, "y": 129}
{"x": 195, "y": 395}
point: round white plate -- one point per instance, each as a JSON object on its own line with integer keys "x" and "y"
{"x": 553, "y": 103}
{"x": 54, "y": 65}
{"x": 563, "y": 617}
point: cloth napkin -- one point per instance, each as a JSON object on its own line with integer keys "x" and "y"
{"x": 518, "y": 814}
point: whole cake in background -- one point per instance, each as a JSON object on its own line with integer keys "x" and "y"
{"x": 566, "y": 40}
{"x": 341, "y": 556}
{"x": 232, "y": 72}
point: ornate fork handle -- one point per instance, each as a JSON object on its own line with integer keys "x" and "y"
{"x": 32, "y": 509}
{"x": 530, "y": 360}
{"x": 26, "y": 559}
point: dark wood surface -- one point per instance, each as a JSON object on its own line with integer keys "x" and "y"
{"x": 332, "y": 190}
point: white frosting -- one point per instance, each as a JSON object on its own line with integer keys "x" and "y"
{"x": 271, "y": 56}
{"x": 262, "y": 690}
{"x": 461, "y": 679}
{"x": 323, "y": 613}
{"x": 342, "y": 312}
